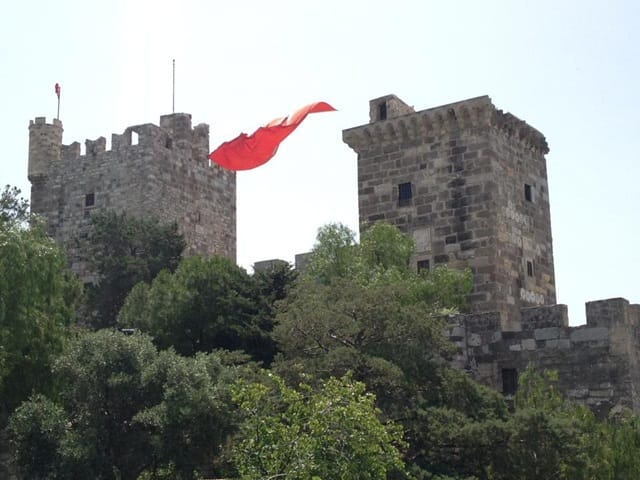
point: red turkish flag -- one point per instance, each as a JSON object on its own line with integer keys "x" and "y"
{"x": 250, "y": 151}
{"x": 57, "y": 89}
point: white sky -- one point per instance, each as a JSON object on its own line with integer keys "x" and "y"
{"x": 571, "y": 69}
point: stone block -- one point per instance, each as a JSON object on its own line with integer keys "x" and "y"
{"x": 589, "y": 334}
{"x": 528, "y": 344}
{"x": 457, "y": 332}
{"x": 546, "y": 333}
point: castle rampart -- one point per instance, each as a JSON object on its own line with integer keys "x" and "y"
{"x": 150, "y": 170}
{"x": 597, "y": 363}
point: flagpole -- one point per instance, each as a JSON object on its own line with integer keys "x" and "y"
{"x": 173, "y": 99}
{"x": 56, "y": 89}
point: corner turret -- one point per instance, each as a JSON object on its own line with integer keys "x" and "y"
{"x": 45, "y": 145}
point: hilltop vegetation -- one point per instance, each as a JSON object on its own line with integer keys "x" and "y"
{"x": 339, "y": 372}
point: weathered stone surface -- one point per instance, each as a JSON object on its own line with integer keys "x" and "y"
{"x": 598, "y": 366}
{"x": 546, "y": 333}
{"x": 586, "y": 334}
{"x": 467, "y": 164}
{"x": 161, "y": 171}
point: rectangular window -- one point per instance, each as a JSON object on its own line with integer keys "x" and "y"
{"x": 509, "y": 381}
{"x": 89, "y": 199}
{"x": 528, "y": 195}
{"x": 423, "y": 265}
{"x": 382, "y": 111}
{"x": 529, "y": 268}
{"x": 404, "y": 194}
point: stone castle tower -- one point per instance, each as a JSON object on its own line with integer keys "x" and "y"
{"x": 161, "y": 171}
{"x": 469, "y": 183}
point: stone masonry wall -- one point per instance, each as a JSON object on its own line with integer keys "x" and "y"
{"x": 454, "y": 177}
{"x": 597, "y": 363}
{"x": 165, "y": 174}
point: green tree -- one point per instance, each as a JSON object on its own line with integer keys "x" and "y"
{"x": 123, "y": 251}
{"x": 207, "y": 304}
{"x": 362, "y": 309}
{"x": 13, "y": 208}
{"x": 333, "y": 432}
{"x": 37, "y": 303}
{"x": 124, "y": 409}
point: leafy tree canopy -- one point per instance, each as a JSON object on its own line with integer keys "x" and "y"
{"x": 37, "y": 302}
{"x": 123, "y": 410}
{"x": 207, "y": 304}
{"x": 361, "y": 307}
{"x": 333, "y": 432}
{"x": 123, "y": 250}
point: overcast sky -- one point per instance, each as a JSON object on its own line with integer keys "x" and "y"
{"x": 568, "y": 68}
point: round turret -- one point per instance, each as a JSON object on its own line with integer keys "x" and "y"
{"x": 45, "y": 144}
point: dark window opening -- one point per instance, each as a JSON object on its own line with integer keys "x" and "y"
{"x": 404, "y": 194}
{"x": 89, "y": 199}
{"x": 529, "y": 268}
{"x": 509, "y": 381}
{"x": 169, "y": 143}
{"x": 423, "y": 265}
{"x": 382, "y": 111}
{"x": 527, "y": 193}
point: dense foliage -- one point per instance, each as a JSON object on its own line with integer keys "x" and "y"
{"x": 352, "y": 380}
{"x": 125, "y": 409}
{"x": 207, "y": 304}
{"x": 333, "y": 432}
{"x": 37, "y": 302}
{"x": 122, "y": 251}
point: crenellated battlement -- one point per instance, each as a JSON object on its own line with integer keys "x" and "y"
{"x": 175, "y": 132}
{"x": 393, "y": 121}
{"x": 596, "y": 361}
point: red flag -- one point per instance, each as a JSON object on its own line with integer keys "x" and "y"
{"x": 250, "y": 151}
{"x": 57, "y": 90}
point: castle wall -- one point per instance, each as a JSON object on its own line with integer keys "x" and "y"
{"x": 454, "y": 177}
{"x": 165, "y": 174}
{"x": 597, "y": 363}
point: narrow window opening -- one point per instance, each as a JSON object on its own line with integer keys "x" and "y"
{"x": 404, "y": 194}
{"x": 382, "y": 111}
{"x": 529, "y": 268}
{"x": 509, "y": 381}
{"x": 169, "y": 143}
{"x": 89, "y": 199}
{"x": 423, "y": 265}
{"x": 527, "y": 193}
{"x": 134, "y": 138}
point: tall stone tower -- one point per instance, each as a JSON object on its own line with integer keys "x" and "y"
{"x": 151, "y": 170}
{"x": 469, "y": 183}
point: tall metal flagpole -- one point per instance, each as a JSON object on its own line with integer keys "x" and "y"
{"x": 173, "y": 101}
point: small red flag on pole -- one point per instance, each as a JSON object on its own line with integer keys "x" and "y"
{"x": 57, "y": 90}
